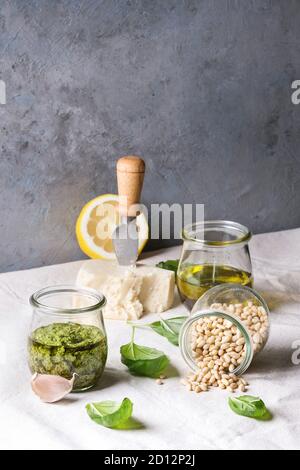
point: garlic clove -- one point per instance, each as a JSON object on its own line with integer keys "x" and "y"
{"x": 51, "y": 388}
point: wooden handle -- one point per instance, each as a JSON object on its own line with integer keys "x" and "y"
{"x": 130, "y": 175}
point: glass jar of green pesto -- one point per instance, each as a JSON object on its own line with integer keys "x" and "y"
{"x": 68, "y": 335}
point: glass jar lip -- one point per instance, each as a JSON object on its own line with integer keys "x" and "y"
{"x": 235, "y": 287}
{"x": 35, "y": 299}
{"x": 183, "y": 338}
{"x": 244, "y": 237}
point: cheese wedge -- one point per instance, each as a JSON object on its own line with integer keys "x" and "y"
{"x": 130, "y": 292}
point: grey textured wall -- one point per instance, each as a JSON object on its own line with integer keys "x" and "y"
{"x": 201, "y": 89}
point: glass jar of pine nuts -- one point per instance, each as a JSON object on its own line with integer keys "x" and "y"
{"x": 229, "y": 325}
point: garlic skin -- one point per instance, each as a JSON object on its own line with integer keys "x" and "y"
{"x": 51, "y": 388}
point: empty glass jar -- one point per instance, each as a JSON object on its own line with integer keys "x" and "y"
{"x": 67, "y": 335}
{"x": 214, "y": 252}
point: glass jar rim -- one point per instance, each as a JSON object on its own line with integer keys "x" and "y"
{"x": 235, "y": 287}
{"x": 224, "y": 225}
{"x": 183, "y": 338}
{"x": 35, "y": 299}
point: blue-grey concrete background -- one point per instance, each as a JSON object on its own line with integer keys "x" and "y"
{"x": 200, "y": 88}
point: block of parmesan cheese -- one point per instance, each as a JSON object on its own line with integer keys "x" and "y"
{"x": 130, "y": 292}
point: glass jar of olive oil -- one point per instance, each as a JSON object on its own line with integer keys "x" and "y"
{"x": 214, "y": 252}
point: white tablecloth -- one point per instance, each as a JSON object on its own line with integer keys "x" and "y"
{"x": 173, "y": 418}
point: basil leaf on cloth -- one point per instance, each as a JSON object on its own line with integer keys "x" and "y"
{"x": 111, "y": 414}
{"x": 169, "y": 328}
{"x": 144, "y": 361}
{"x": 251, "y": 407}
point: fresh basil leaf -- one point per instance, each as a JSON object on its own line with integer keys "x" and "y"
{"x": 131, "y": 424}
{"x": 169, "y": 328}
{"x": 170, "y": 265}
{"x": 142, "y": 360}
{"x": 111, "y": 414}
{"x": 251, "y": 407}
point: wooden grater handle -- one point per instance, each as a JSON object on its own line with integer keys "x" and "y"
{"x": 130, "y": 175}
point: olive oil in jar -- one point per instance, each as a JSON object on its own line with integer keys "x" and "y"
{"x": 194, "y": 280}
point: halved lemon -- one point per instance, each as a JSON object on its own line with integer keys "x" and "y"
{"x": 96, "y": 224}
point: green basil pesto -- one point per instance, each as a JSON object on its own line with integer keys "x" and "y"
{"x": 67, "y": 348}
